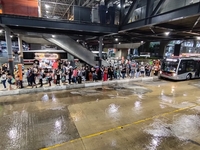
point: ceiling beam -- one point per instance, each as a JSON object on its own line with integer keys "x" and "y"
{"x": 130, "y": 12}
{"x": 157, "y": 8}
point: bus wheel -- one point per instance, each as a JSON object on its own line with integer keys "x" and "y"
{"x": 188, "y": 77}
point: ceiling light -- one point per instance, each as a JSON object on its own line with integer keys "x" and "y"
{"x": 116, "y": 39}
{"x": 198, "y": 37}
{"x": 167, "y": 33}
{"x": 47, "y": 11}
{"x": 119, "y": 43}
{"x": 53, "y": 36}
{"x": 11, "y": 36}
{"x": 77, "y": 40}
{"x": 47, "y": 6}
{"x": 142, "y": 41}
{"x": 119, "y": 5}
{"x": 1, "y": 31}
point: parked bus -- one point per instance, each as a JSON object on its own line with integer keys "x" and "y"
{"x": 35, "y": 55}
{"x": 180, "y": 68}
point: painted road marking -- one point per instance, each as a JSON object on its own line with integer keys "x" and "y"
{"x": 116, "y": 128}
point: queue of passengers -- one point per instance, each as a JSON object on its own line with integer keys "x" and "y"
{"x": 63, "y": 72}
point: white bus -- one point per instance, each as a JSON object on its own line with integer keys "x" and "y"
{"x": 180, "y": 68}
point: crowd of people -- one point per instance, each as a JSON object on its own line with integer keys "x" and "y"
{"x": 63, "y": 72}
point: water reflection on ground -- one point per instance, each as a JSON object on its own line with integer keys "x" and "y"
{"x": 44, "y": 119}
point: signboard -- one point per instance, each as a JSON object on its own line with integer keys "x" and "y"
{"x": 48, "y": 56}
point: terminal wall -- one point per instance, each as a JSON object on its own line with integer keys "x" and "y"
{"x": 20, "y": 7}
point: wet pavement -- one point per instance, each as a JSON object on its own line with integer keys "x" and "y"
{"x": 159, "y": 115}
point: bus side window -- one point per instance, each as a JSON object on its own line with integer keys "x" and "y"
{"x": 182, "y": 67}
{"x": 190, "y": 66}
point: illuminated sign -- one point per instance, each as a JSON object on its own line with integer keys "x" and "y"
{"x": 174, "y": 60}
{"x": 190, "y": 54}
{"x": 46, "y": 56}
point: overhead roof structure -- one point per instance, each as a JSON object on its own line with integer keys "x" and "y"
{"x": 182, "y": 22}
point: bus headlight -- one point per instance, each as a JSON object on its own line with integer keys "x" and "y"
{"x": 174, "y": 74}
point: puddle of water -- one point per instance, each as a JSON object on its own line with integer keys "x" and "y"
{"x": 184, "y": 127}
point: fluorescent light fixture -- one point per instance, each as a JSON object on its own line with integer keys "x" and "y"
{"x": 167, "y": 33}
{"x": 47, "y": 6}
{"x": 53, "y": 36}
{"x": 116, "y": 39}
{"x": 198, "y": 37}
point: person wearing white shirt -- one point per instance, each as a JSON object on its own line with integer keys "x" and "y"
{"x": 3, "y": 79}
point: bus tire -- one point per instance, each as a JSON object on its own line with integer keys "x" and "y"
{"x": 188, "y": 77}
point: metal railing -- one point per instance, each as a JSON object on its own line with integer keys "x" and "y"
{"x": 100, "y": 14}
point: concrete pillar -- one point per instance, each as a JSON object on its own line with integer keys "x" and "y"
{"x": 20, "y": 49}
{"x": 163, "y": 45}
{"x": 100, "y": 49}
{"x": 9, "y": 50}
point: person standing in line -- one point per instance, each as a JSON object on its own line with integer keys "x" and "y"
{"x": 32, "y": 79}
{"x": 80, "y": 74}
{"x": 105, "y": 74}
{"x": 138, "y": 71}
{"x": 70, "y": 75}
{"x": 10, "y": 77}
{"x": 118, "y": 73}
{"x": 75, "y": 74}
{"x": 57, "y": 77}
{"x": 83, "y": 73}
{"x": 132, "y": 71}
{"x": 40, "y": 77}
{"x": 87, "y": 73}
{"x": 111, "y": 73}
{"x": 49, "y": 77}
{"x": 142, "y": 71}
{"x": 3, "y": 79}
{"x": 123, "y": 72}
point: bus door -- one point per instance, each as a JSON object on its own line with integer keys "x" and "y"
{"x": 197, "y": 66}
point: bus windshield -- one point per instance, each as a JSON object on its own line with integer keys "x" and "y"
{"x": 169, "y": 66}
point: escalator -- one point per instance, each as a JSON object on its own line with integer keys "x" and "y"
{"x": 73, "y": 48}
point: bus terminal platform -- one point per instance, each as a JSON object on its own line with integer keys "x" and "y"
{"x": 46, "y": 88}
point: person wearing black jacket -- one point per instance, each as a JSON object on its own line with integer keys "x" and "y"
{"x": 87, "y": 73}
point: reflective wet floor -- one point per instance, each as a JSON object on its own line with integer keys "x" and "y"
{"x": 159, "y": 115}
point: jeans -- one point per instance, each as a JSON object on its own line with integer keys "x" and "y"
{"x": 123, "y": 75}
{"x": 4, "y": 83}
{"x": 74, "y": 79}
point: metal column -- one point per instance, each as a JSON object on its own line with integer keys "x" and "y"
{"x": 100, "y": 49}
{"x": 20, "y": 49}
{"x": 122, "y": 10}
{"x": 9, "y": 49}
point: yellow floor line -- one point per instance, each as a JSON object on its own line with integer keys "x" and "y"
{"x": 116, "y": 128}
